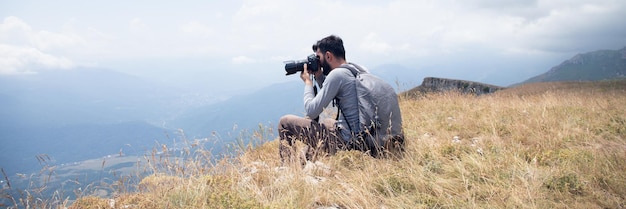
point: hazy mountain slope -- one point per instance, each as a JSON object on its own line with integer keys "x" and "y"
{"x": 85, "y": 95}
{"x": 591, "y": 66}
{"x": 77, "y": 114}
{"x": 399, "y": 76}
{"x": 264, "y": 106}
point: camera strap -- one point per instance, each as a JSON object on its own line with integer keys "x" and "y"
{"x": 336, "y": 104}
{"x": 314, "y": 85}
{"x": 315, "y": 94}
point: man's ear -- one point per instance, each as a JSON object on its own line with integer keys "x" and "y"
{"x": 328, "y": 56}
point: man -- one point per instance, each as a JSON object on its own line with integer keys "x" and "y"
{"x": 337, "y": 83}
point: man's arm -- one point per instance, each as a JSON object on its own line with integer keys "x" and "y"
{"x": 314, "y": 104}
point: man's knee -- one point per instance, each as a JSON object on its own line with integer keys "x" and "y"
{"x": 285, "y": 121}
{"x": 286, "y": 118}
{"x": 287, "y": 126}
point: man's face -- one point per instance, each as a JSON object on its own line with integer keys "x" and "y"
{"x": 323, "y": 62}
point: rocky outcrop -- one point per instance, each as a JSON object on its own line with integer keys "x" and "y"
{"x": 432, "y": 84}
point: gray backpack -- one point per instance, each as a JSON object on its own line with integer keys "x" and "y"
{"x": 380, "y": 120}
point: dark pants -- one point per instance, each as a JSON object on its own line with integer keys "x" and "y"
{"x": 318, "y": 136}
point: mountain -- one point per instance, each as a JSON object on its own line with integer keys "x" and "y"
{"x": 84, "y": 95}
{"x": 591, "y": 66}
{"x": 399, "y": 76}
{"x": 79, "y": 114}
{"x": 264, "y": 106}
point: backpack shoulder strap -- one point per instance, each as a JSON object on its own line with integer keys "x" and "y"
{"x": 354, "y": 68}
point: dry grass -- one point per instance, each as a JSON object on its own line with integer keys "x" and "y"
{"x": 536, "y": 146}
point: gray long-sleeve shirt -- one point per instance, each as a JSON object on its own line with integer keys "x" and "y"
{"x": 340, "y": 84}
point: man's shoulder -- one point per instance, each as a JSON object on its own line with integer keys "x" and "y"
{"x": 340, "y": 72}
{"x": 340, "y": 69}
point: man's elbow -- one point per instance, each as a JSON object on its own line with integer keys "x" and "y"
{"x": 311, "y": 113}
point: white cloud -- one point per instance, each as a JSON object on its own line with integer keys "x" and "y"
{"x": 576, "y": 28}
{"x": 19, "y": 60}
{"x": 46, "y": 40}
{"x": 255, "y": 10}
{"x": 14, "y": 31}
{"x": 242, "y": 60}
{"x": 137, "y": 26}
{"x": 198, "y": 29}
{"x": 17, "y": 32}
{"x": 372, "y": 44}
{"x": 22, "y": 50}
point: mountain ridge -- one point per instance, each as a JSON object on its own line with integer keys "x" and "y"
{"x": 589, "y": 66}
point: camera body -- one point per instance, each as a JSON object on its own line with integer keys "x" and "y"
{"x": 312, "y": 62}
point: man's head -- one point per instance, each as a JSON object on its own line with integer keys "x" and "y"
{"x": 331, "y": 52}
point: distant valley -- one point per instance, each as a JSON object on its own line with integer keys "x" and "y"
{"x": 81, "y": 114}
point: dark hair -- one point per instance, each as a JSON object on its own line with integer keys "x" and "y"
{"x": 333, "y": 44}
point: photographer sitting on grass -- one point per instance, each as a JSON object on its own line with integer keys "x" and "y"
{"x": 337, "y": 79}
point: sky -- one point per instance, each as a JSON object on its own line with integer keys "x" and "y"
{"x": 497, "y": 41}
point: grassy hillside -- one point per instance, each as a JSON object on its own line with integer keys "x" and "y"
{"x": 549, "y": 145}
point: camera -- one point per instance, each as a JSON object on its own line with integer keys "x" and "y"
{"x": 312, "y": 62}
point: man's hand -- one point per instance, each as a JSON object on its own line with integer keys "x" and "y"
{"x": 317, "y": 73}
{"x": 304, "y": 75}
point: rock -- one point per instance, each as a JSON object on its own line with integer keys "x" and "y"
{"x": 432, "y": 84}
